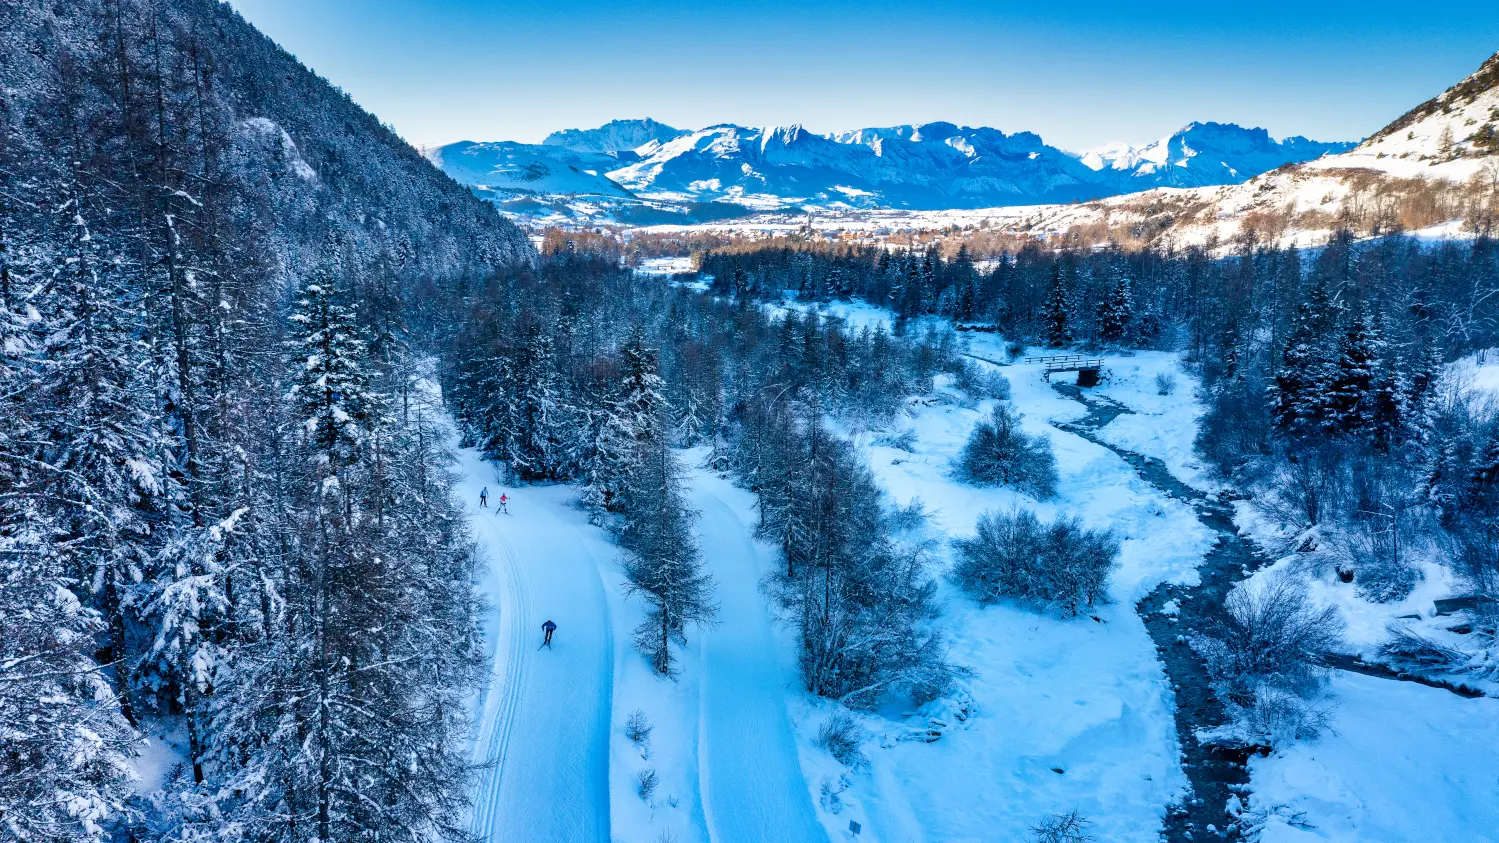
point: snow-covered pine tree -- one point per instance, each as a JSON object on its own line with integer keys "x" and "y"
{"x": 347, "y": 721}
{"x": 1301, "y": 395}
{"x": 632, "y": 420}
{"x": 1055, "y": 317}
{"x": 537, "y": 450}
{"x": 1350, "y": 407}
{"x": 663, "y": 562}
{"x": 94, "y": 441}
{"x": 64, "y": 773}
{"x": 1117, "y": 312}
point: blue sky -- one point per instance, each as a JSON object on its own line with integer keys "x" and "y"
{"x": 1080, "y": 74}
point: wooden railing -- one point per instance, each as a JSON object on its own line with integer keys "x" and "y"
{"x": 1066, "y": 362}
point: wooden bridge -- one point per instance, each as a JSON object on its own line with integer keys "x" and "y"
{"x": 1087, "y": 368}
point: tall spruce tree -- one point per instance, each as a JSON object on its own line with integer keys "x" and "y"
{"x": 1056, "y": 314}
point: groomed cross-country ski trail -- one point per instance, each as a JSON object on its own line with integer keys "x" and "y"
{"x": 752, "y": 785}
{"x": 544, "y": 718}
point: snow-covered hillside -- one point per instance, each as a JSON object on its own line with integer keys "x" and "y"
{"x": 1430, "y": 172}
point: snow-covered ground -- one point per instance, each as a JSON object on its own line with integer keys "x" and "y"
{"x": 1065, "y": 713}
{"x": 1401, "y": 762}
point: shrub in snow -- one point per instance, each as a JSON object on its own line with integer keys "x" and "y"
{"x": 904, "y": 440}
{"x": 1381, "y": 579}
{"x": 645, "y": 783}
{"x": 980, "y": 381}
{"x": 1282, "y": 718}
{"x": 1415, "y": 651}
{"x": 842, "y": 736}
{"x": 904, "y": 519}
{"x": 831, "y": 794}
{"x": 999, "y": 453}
{"x": 638, "y": 728}
{"x": 1071, "y": 827}
{"x": 1014, "y": 555}
{"x": 1267, "y": 656}
{"x": 1165, "y": 383}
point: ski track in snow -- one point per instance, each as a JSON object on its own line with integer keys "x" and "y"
{"x": 751, "y": 782}
{"x": 545, "y": 718}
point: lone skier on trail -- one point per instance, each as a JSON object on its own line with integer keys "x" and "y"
{"x": 549, "y": 628}
{"x": 484, "y": 497}
{"x": 504, "y": 503}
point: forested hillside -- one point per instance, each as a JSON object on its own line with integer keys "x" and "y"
{"x": 224, "y": 515}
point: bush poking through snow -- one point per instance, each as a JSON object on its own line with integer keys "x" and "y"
{"x": 1071, "y": 827}
{"x": 1013, "y": 555}
{"x": 638, "y": 728}
{"x": 1266, "y": 660}
{"x": 830, "y": 795}
{"x": 1411, "y": 649}
{"x": 645, "y": 783}
{"x": 1165, "y": 383}
{"x": 999, "y": 453}
{"x": 904, "y": 440}
{"x": 842, "y": 736}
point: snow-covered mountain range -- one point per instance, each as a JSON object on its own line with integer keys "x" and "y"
{"x": 1201, "y": 154}
{"x": 929, "y": 166}
{"x": 1433, "y": 170}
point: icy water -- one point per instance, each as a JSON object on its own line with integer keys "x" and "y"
{"x": 1215, "y": 773}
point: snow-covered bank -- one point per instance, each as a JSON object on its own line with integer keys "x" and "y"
{"x": 1401, "y": 762}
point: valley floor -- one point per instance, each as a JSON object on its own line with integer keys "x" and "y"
{"x": 1055, "y": 715}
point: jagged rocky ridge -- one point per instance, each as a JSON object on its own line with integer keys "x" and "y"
{"x": 930, "y": 166}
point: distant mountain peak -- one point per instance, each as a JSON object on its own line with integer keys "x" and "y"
{"x": 614, "y": 136}
{"x": 1204, "y": 153}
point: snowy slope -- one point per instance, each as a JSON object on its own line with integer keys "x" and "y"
{"x": 1083, "y": 697}
{"x": 1401, "y": 762}
{"x": 1452, "y": 136}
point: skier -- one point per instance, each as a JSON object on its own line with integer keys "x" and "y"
{"x": 550, "y": 628}
{"x": 484, "y": 497}
{"x": 504, "y": 503}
